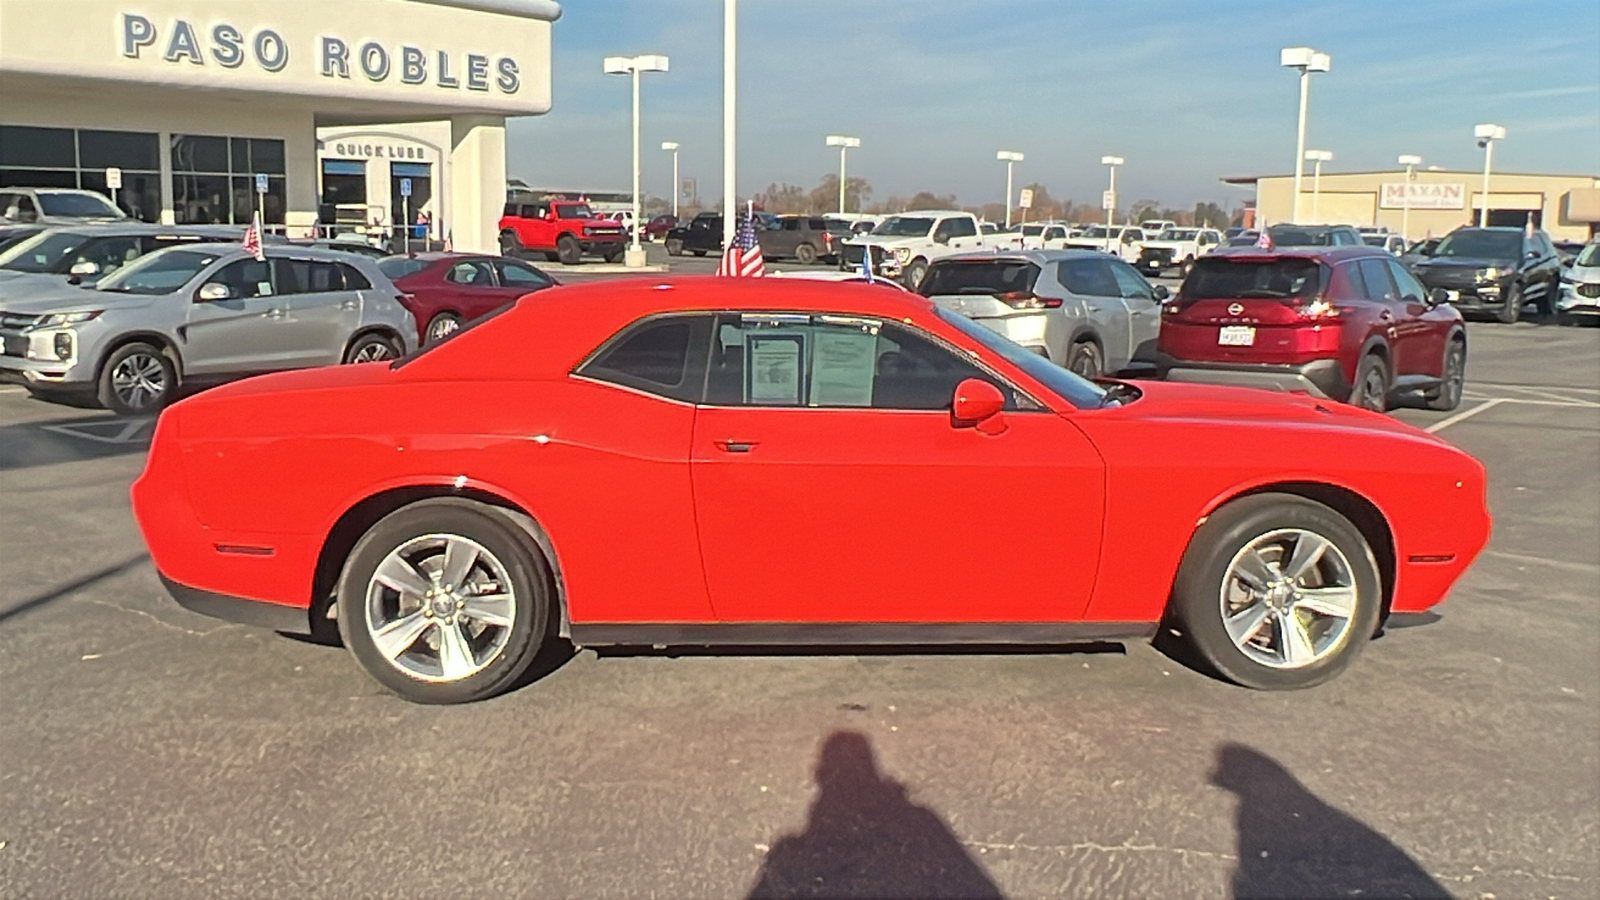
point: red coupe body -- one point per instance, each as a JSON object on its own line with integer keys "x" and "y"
{"x": 445, "y": 290}
{"x": 666, "y": 508}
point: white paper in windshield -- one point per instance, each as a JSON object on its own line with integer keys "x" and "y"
{"x": 773, "y": 364}
{"x": 842, "y": 366}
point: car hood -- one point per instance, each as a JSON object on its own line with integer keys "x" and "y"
{"x": 1182, "y": 404}
{"x": 13, "y": 282}
{"x": 1582, "y": 274}
{"x": 58, "y": 296}
{"x": 867, "y": 240}
{"x": 1166, "y": 245}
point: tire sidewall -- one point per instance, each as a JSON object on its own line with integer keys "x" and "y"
{"x": 1085, "y": 350}
{"x": 107, "y": 395}
{"x": 356, "y": 345}
{"x": 805, "y": 254}
{"x": 1448, "y": 399}
{"x": 439, "y": 319}
{"x": 915, "y": 273}
{"x": 1511, "y": 311}
{"x": 526, "y": 568}
{"x": 568, "y": 251}
{"x": 674, "y": 247}
{"x": 1368, "y": 363}
{"x": 1196, "y": 599}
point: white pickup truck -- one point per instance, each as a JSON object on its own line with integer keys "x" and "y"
{"x": 1121, "y": 240}
{"x": 904, "y": 244}
{"x": 1176, "y": 248}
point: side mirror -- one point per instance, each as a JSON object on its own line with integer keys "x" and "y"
{"x": 84, "y": 267}
{"x": 214, "y": 291}
{"x": 1438, "y": 297}
{"x": 978, "y": 404}
{"x": 1160, "y": 293}
{"x": 1533, "y": 254}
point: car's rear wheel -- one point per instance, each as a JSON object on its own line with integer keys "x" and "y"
{"x": 674, "y": 247}
{"x": 805, "y": 254}
{"x": 371, "y": 348}
{"x": 137, "y": 380}
{"x": 1086, "y": 360}
{"x": 443, "y": 601}
{"x": 1512, "y": 310}
{"x": 1371, "y": 389}
{"x": 442, "y": 326}
{"x": 1277, "y": 592}
{"x": 1448, "y": 394}
{"x": 509, "y": 245}
{"x": 568, "y": 251}
{"x": 551, "y": 256}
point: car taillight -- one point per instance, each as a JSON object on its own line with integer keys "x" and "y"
{"x": 1028, "y": 300}
{"x": 1319, "y": 309}
{"x": 827, "y": 240}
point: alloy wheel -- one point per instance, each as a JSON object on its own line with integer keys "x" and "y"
{"x": 375, "y": 351}
{"x": 1287, "y": 598}
{"x": 139, "y": 380}
{"x": 443, "y": 327}
{"x": 440, "y": 607}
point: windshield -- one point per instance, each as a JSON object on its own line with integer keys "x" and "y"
{"x": 981, "y": 277}
{"x": 574, "y": 211}
{"x": 902, "y": 226}
{"x": 1227, "y": 278}
{"x": 1179, "y": 234}
{"x": 1375, "y": 240}
{"x": 43, "y": 252}
{"x": 1295, "y": 236}
{"x": 1033, "y": 230}
{"x": 398, "y": 267}
{"x": 1080, "y": 392}
{"x": 161, "y": 272}
{"x": 1099, "y": 231}
{"x": 78, "y": 206}
{"x": 1589, "y": 257}
{"x": 1481, "y": 245}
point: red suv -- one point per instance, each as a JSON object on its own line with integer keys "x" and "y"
{"x": 1346, "y": 323}
{"x": 563, "y": 230}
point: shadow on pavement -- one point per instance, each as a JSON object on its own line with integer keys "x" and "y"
{"x": 1291, "y": 844}
{"x": 27, "y": 444}
{"x": 674, "y": 651}
{"x": 72, "y": 586}
{"x": 865, "y": 838}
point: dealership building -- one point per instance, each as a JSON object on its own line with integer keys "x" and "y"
{"x": 1433, "y": 201}
{"x": 353, "y": 111}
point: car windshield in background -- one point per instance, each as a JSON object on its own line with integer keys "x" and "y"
{"x": 77, "y": 205}
{"x": 1481, "y": 245}
{"x": 1589, "y": 257}
{"x": 1098, "y": 231}
{"x": 835, "y": 225}
{"x": 1078, "y": 391}
{"x": 579, "y": 211}
{"x": 979, "y": 277}
{"x": 161, "y": 272}
{"x": 1178, "y": 234}
{"x": 902, "y": 226}
{"x": 1033, "y": 230}
{"x": 43, "y": 252}
{"x": 1374, "y": 240}
{"x": 398, "y": 267}
{"x": 1296, "y": 236}
{"x": 1250, "y": 279}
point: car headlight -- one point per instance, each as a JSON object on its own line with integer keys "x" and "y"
{"x": 55, "y": 346}
{"x": 903, "y": 254}
{"x": 55, "y": 320}
{"x": 1489, "y": 274}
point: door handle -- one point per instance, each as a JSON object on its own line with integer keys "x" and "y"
{"x": 735, "y": 446}
{"x": 273, "y": 313}
{"x": 350, "y": 304}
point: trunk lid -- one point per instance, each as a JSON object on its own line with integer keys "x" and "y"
{"x": 1251, "y": 309}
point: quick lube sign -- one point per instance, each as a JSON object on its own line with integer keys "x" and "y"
{"x": 180, "y": 42}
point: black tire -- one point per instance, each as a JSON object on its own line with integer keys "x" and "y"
{"x": 509, "y": 245}
{"x": 371, "y": 347}
{"x": 1552, "y": 293}
{"x": 1511, "y": 311}
{"x": 1186, "y": 268}
{"x": 915, "y": 272}
{"x": 612, "y": 256}
{"x": 699, "y": 253}
{"x": 674, "y": 247}
{"x": 1085, "y": 359}
{"x": 442, "y": 326}
{"x": 568, "y": 251}
{"x": 1371, "y": 389}
{"x": 137, "y": 379}
{"x": 1208, "y": 583}
{"x": 551, "y": 256}
{"x": 507, "y": 650}
{"x": 1448, "y": 394}
{"x": 805, "y": 254}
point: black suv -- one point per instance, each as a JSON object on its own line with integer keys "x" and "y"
{"x": 1494, "y": 270}
{"x": 702, "y": 235}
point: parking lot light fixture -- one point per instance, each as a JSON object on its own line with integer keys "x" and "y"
{"x": 844, "y": 144}
{"x": 1317, "y": 158}
{"x": 1486, "y": 135}
{"x": 1111, "y": 195}
{"x": 672, "y": 147}
{"x": 1010, "y": 158}
{"x": 1307, "y": 61}
{"x": 1410, "y": 162}
{"x": 633, "y": 65}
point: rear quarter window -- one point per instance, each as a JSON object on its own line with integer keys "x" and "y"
{"x": 665, "y": 356}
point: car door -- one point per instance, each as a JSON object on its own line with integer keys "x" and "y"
{"x": 323, "y": 311}
{"x": 964, "y": 234}
{"x": 830, "y": 484}
{"x": 1106, "y": 313}
{"x": 1398, "y": 324}
{"x": 471, "y": 289}
{"x": 1543, "y": 269}
{"x": 1144, "y": 315}
{"x": 516, "y": 279}
{"x": 242, "y": 332}
{"x": 1427, "y": 325}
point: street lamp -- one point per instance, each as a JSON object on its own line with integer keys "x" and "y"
{"x": 1111, "y": 198}
{"x": 1318, "y": 157}
{"x": 1010, "y": 158}
{"x": 1487, "y": 135}
{"x": 633, "y": 65}
{"x": 1410, "y": 162}
{"x": 1307, "y": 61}
{"x": 672, "y": 147}
{"x": 844, "y": 144}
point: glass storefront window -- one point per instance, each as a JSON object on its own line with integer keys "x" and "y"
{"x": 68, "y": 158}
{"x": 213, "y": 179}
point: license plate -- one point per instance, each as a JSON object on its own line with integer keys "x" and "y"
{"x": 1452, "y": 296}
{"x": 1236, "y": 336}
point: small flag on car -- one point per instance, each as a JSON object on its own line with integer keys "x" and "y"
{"x": 866, "y": 264}
{"x": 743, "y": 257}
{"x": 252, "y": 239}
{"x": 1528, "y": 228}
{"x": 1264, "y": 241}
{"x": 449, "y": 245}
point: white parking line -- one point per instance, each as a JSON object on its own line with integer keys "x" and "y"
{"x": 13, "y": 390}
{"x": 1542, "y": 387}
{"x": 1542, "y": 392}
{"x": 1442, "y": 424}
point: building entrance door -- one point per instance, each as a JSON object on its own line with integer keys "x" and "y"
{"x": 405, "y": 209}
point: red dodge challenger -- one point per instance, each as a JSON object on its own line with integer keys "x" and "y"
{"x": 755, "y": 461}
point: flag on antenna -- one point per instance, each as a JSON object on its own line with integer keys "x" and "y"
{"x": 252, "y": 239}
{"x": 1264, "y": 241}
{"x": 742, "y": 258}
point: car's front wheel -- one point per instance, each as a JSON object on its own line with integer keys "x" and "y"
{"x": 674, "y": 247}
{"x": 915, "y": 272}
{"x": 137, "y": 380}
{"x": 443, "y": 601}
{"x": 1511, "y": 310}
{"x": 509, "y": 245}
{"x": 568, "y": 251}
{"x": 1277, "y": 592}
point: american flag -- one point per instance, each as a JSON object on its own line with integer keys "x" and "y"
{"x": 1264, "y": 241}
{"x": 252, "y": 239}
{"x": 743, "y": 259}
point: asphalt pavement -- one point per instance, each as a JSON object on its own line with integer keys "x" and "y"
{"x": 146, "y": 751}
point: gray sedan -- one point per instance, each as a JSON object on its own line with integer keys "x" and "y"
{"x": 1085, "y": 310}
{"x": 202, "y": 313}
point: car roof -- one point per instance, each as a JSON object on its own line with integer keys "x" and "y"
{"x": 1327, "y": 254}
{"x": 933, "y": 212}
{"x": 102, "y": 228}
{"x": 1038, "y": 256}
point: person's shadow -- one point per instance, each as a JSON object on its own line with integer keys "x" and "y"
{"x": 865, "y": 838}
{"x": 1291, "y": 844}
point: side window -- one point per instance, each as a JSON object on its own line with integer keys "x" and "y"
{"x": 1130, "y": 284}
{"x": 791, "y": 224}
{"x": 293, "y": 276}
{"x": 1411, "y": 290}
{"x": 353, "y": 279}
{"x": 1088, "y": 277}
{"x": 962, "y": 227}
{"x": 663, "y": 356}
{"x": 246, "y": 278}
{"x": 470, "y": 273}
{"x": 1346, "y": 283}
{"x": 514, "y": 274}
{"x": 1379, "y": 285}
{"x": 109, "y": 253}
{"x": 324, "y": 277}
{"x": 816, "y": 225}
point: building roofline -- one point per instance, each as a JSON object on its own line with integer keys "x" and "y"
{"x": 1252, "y": 179}
{"x": 547, "y": 10}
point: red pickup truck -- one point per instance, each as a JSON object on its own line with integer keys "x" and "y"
{"x": 563, "y": 230}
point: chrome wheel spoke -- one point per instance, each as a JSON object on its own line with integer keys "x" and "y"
{"x": 459, "y": 557}
{"x": 401, "y": 635}
{"x": 398, "y": 574}
{"x": 1288, "y": 598}
{"x": 1338, "y": 602}
{"x": 1294, "y": 642}
{"x": 1246, "y": 623}
{"x": 489, "y": 609}
{"x": 1308, "y": 550}
{"x": 1255, "y": 571}
{"x": 456, "y": 659}
{"x": 454, "y": 611}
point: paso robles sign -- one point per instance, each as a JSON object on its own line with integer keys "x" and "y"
{"x": 1423, "y": 196}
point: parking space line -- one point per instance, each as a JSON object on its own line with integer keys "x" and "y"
{"x": 1544, "y": 387}
{"x": 1464, "y": 414}
{"x": 1568, "y": 564}
{"x": 1543, "y": 392}
{"x": 13, "y": 390}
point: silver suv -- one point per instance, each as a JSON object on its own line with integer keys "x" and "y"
{"x": 84, "y": 254}
{"x": 198, "y": 314}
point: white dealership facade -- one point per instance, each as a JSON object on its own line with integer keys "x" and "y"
{"x": 336, "y": 108}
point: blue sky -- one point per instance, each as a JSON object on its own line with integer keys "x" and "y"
{"x": 1185, "y": 92}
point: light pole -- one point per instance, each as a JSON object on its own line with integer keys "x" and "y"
{"x": 1307, "y": 61}
{"x": 1111, "y": 195}
{"x": 633, "y": 65}
{"x": 1487, "y": 135}
{"x": 1010, "y": 158}
{"x": 1409, "y": 162}
{"x": 843, "y": 143}
{"x": 1317, "y": 157}
{"x": 730, "y": 77}
{"x": 672, "y": 147}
